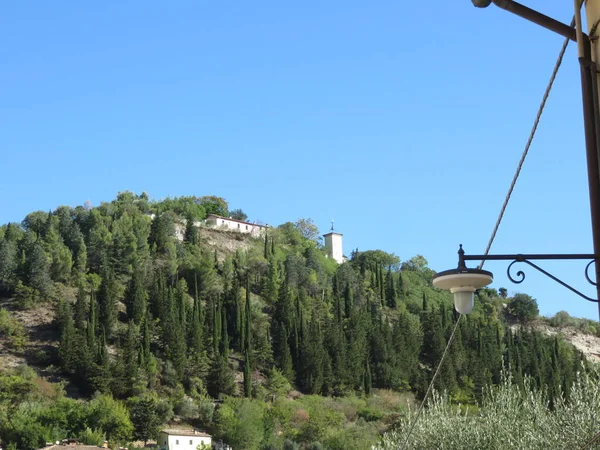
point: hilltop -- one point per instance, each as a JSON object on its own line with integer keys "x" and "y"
{"x": 138, "y": 309}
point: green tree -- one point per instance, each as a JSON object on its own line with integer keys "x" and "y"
{"x": 523, "y": 308}
{"x": 111, "y": 416}
{"x": 38, "y": 269}
{"x": 241, "y": 422}
{"x": 220, "y": 379}
{"x": 108, "y": 298}
{"x": 214, "y": 205}
{"x": 144, "y": 418}
{"x": 238, "y": 214}
{"x": 247, "y": 375}
{"x": 136, "y": 297}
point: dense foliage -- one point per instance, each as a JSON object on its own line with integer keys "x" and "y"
{"x": 151, "y": 313}
{"x": 510, "y": 417}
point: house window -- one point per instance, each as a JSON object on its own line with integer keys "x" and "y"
{"x": 177, "y": 442}
{"x": 238, "y": 226}
{"x": 246, "y": 227}
{"x": 191, "y": 442}
{"x": 223, "y": 222}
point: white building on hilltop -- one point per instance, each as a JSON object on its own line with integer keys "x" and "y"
{"x": 228, "y": 223}
{"x": 182, "y": 440}
{"x": 333, "y": 245}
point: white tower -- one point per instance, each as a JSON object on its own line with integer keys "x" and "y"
{"x": 333, "y": 244}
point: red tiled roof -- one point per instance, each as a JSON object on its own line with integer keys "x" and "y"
{"x": 185, "y": 433}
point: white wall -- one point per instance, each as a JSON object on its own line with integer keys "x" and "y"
{"x": 254, "y": 230}
{"x": 333, "y": 244}
{"x": 174, "y": 442}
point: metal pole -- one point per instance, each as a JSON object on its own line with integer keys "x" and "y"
{"x": 536, "y": 17}
{"x": 588, "y": 93}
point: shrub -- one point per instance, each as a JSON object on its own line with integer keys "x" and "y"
{"x": 509, "y": 418}
{"x": 370, "y": 414}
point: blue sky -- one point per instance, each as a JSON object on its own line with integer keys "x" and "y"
{"x": 403, "y": 121}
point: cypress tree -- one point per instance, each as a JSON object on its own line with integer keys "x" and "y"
{"x": 281, "y": 352}
{"x": 310, "y": 372}
{"x": 191, "y": 232}
{"x": 391, "y": 295}
{"x": 81, "y": 307}
{"x": 248, "y": 321}
{"x": 224, "y": 344}
{"x": 92, "y": 323}
{"x": 348, "y": 301}
{"x": 67, "y": 336}
{"x": 196, "y": 336}
{"x": 247, "y": 375}
{"x": 107, "y": 302}
{"x": 266, "y": 251}
{"x": 400, "y": 289}
{"x": 130, "y": 355}
{"x": 381, "y": 284}
{"x": 368, "y": 379}
{"x": 136, "y": 297}
{"x": 216, "y": 335}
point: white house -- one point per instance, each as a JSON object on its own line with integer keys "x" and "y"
{"x": 182, "y": 439}
{"x": 235, "y": 225}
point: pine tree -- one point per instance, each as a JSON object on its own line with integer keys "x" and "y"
{"x": 220, "y": 379}
{"x": 145, "y": 419}
{"x": 38, "y": 269}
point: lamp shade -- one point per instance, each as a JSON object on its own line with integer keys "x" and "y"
{"x": 463, "y": 283}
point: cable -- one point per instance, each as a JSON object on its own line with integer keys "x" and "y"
{"x": 500, "y": 217}
{"x": 529, "y": 141}
{"x": 432, "y": 381}
{"x": 589, "y": 443}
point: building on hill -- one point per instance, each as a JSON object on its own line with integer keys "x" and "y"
{"x": 228, "y": 223}
{"x": 182, "y": 439}
{"x": 333, "y": 245}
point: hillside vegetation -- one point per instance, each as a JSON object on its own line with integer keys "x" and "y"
{"x": 263, "y": 342}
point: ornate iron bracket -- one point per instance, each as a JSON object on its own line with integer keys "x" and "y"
{"x": 520, "y": 258}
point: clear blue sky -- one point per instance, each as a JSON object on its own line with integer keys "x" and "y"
{"x": 403, "y": 121}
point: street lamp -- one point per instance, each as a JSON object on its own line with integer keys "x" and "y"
{"x": 462, "y": 282}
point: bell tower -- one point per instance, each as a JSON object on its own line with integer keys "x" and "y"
{"x": 333, "y": 245}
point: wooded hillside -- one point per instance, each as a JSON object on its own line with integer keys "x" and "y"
{"x": 154, "y": 328}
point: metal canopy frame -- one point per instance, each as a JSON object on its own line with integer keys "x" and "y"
{"x": 527, "y": 258}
